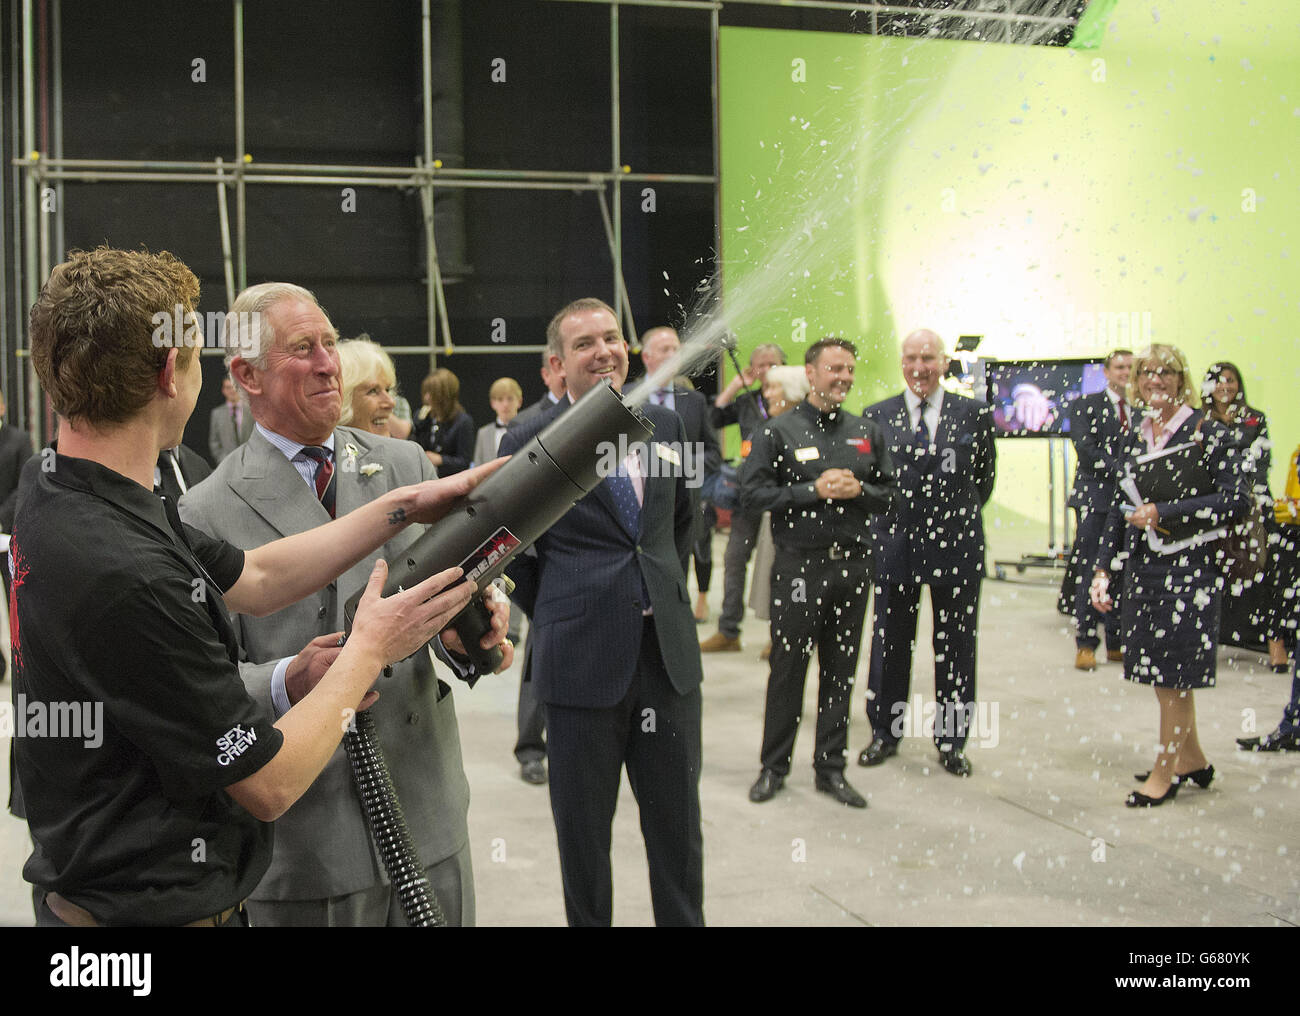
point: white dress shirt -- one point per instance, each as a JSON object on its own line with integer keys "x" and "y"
{"x": 933, "y": 407}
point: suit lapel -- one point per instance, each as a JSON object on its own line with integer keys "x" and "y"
{"x": 356, "y": 488}
{"x": 350, "y": 457}
{"x": 268, "y": 483}
{"x": 947, "y": 431}
{"x": 1186, "y": 432}
{"x": 657, "y": 489}
{"x": 901, "y": 420}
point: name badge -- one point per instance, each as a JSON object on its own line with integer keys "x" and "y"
{"x": 806, "y": 454}
{"x": 664, "y": 452}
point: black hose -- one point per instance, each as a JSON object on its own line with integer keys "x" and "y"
{"x": 384, "y": 816}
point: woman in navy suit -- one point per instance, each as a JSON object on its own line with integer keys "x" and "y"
{"x": 1173, "y": 581}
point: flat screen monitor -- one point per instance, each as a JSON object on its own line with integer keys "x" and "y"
{"x": 1031, "y": 398}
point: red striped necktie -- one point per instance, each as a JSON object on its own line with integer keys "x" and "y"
{"x": 325, "y": 488}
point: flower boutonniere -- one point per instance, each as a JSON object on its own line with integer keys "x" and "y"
{"x": 371, "y": 468}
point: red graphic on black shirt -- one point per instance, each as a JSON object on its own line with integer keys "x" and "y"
{"x": 19, "y": 568}
{"x": 862, "y": 444}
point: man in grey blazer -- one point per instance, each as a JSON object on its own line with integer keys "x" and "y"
{"x": 325, "y": 869}
{"x": 229, "y": 425}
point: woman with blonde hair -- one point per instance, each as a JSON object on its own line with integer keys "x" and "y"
{"x": 369, "y": 386}
{"x": 1181, "y": 487}
{"x": 443, "y": 429}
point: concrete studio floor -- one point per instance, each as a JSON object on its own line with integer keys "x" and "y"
{"x": 1038, "y": 836}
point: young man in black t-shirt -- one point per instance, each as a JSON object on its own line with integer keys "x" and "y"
{"x": 150, "y": 780}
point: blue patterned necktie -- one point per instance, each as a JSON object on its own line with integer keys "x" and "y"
{"x": 624, "y": 495}
{"x": 629, "y": 513}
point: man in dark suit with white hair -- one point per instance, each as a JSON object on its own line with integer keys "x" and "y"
{"x": 941, "y": 445}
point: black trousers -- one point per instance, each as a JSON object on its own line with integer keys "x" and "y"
{"x": 655, "y": 732}
{"x": 815, "y": 602}
{"x": 702, "y": 547}
{"x": 530, "y": 745}
{"x": 1087, "y": 619}
{"x": 956, "y": 621}
{"x": 735, "y": 563}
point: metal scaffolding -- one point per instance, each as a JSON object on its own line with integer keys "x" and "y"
{"x": 43, "y": 173}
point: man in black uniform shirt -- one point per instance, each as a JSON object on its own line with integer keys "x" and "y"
{"x": 150, "y": 803}
{"x": 821, "y": 472}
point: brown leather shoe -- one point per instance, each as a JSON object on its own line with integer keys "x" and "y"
{"x": 1085, "y": 659}
{"x": 766, "y": 654}
{"x": 719, "y": 643}
{"x": 1115, "y": 655}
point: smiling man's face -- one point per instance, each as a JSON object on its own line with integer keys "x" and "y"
{"x": 299, "y": 395}
{"x": 924, "y": 362}
{"x": 594, "y": 351}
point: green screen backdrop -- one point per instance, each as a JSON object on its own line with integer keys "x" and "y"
{"x": 1059, "y": 202}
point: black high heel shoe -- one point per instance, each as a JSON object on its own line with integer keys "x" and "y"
{"x": 1201, "y": 777}
{"x": 1139, "y": 800}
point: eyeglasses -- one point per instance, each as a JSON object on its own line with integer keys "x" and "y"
{"x": 1161, "y": 372}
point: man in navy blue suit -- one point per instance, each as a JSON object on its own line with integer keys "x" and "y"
{"x": 615, "y": 658}
{"x": 941, "y": 445}
{"x": 1098, "y": 423}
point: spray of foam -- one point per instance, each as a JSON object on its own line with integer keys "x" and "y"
{"x": 824, "y": 244}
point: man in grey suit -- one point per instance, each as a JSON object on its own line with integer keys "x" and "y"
{"x": 325, "y": 869}
{"x": 229, "y": 425}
